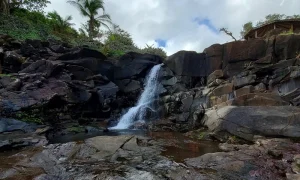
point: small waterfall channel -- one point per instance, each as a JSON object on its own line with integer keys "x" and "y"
{"x": 145, "y": 102}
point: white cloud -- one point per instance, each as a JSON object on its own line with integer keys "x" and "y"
{"x": 172, "y": 20}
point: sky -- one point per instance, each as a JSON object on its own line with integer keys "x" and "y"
{"x": 176, "y": 25}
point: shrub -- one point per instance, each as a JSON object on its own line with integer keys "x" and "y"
{"x": 152, "y": 50}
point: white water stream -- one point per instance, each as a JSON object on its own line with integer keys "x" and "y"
{"x": 138, "y": 112}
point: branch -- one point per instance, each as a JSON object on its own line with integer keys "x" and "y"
{"x": 225, "y": 30}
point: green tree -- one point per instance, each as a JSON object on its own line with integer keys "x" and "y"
{"x": 58, "y": 23}
{"x": 246, "y": 28}
{"x": 31, "y": 5}
{"x": 118, "y": 42}
{"x": 271, "y": 18}
{"x": 34, "y": 5}
{"x": 153, "y": 50}
{"x": 90, "y": 9}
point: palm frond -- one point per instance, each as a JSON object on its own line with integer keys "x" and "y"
{"x": 105, "y": 25}
{"x": 104, "y": 16}
{"x": 81, "y": 7}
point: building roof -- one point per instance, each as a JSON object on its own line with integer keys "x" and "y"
{"x": 291, "y": 21}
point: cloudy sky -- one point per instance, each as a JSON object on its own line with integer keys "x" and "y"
{"x": 183, "y": 24}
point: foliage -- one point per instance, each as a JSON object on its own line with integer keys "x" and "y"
{"x": 246, "y": 28}
{"x": 271, "y": 18}
{"x": 268, "y": 19}
{"x": 32, "y": 5}
{"x": 153, "y": 50}
{"x": 25, "y": 25}
{"x": 117, "y": 43}
{"x": 28, "y": 117}
{"x": 76, "y": 129}
{"x": 90, "y": 8}
{"x": 290, "y": 32}
{"x": 58, "y": 23}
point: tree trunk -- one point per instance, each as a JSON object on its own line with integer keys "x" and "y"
{"x": 4, "y": 7}
{"x": 91, "y": 27}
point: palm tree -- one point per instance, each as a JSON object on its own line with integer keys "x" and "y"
{"x": 89, "y": 8}
{"x": 60, "y": 23}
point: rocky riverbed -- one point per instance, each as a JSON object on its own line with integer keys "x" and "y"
{"x": 230, "y": 112}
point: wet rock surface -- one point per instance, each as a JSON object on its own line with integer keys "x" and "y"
{"x": 136, "y": 157}
{"x": 266, "y": 159}
{"x": 106, "y": 157}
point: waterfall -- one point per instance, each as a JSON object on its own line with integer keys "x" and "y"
{"x": 138, "y": 112}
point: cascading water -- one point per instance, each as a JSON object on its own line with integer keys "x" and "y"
{"x": 138, "y": 112}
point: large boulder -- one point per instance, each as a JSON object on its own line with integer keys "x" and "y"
{"x": 43, "y": 66}
{"x": 189, "y": 63}
{"x": 79, "y": 53}
{"x": 12, "y": 62}
{"x": 127, "y": 85}
{"x": 97, "y": 66}
{"x": 9, "y": 125}
{"x": 247, "y": 121}
{"x": 135, "y": 64}
{"x": 79, "y": 72}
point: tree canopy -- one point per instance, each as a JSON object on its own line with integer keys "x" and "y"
{"x": 90, "y": 9}
{"x": 31, "y": 5}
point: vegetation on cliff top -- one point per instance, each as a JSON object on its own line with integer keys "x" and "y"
{"x": 27, "y": 20}
{"x": 268, "y": 19}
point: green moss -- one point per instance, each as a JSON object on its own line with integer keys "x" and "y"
{"x": 286, "y": 33}
{"x": 76, "y": 129}
{"x": 5, "y": 75}
{"x": 8, "y": 75}
{"x": 201, "y": 135}
{"x": 26, "y": 117}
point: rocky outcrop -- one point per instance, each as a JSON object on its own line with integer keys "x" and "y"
{"x": 246, "y": 122}
{"x": 131, "y": 69}
{"x": 257, "y": 161}
{"x": 189, "y": 63}
{"x": 50, "y": 78}
{"x": 258, "y": 74}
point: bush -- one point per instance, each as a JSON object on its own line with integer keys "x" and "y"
{"x": 120, "y": 42}
{"x": 152, "y": 50}
{"x": 23, "y": 24}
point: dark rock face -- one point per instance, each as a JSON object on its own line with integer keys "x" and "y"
{"x": 189, "y": 63}
{"x": 58, "y": 81}
{"x": 287, "y": 47}
{"x": 134, "y": 64}
{"x": 237, "y": 54}
{"x": 79, "y": 53}
{"x": 258, "y": 74}
{"x": 214, "y": 55}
